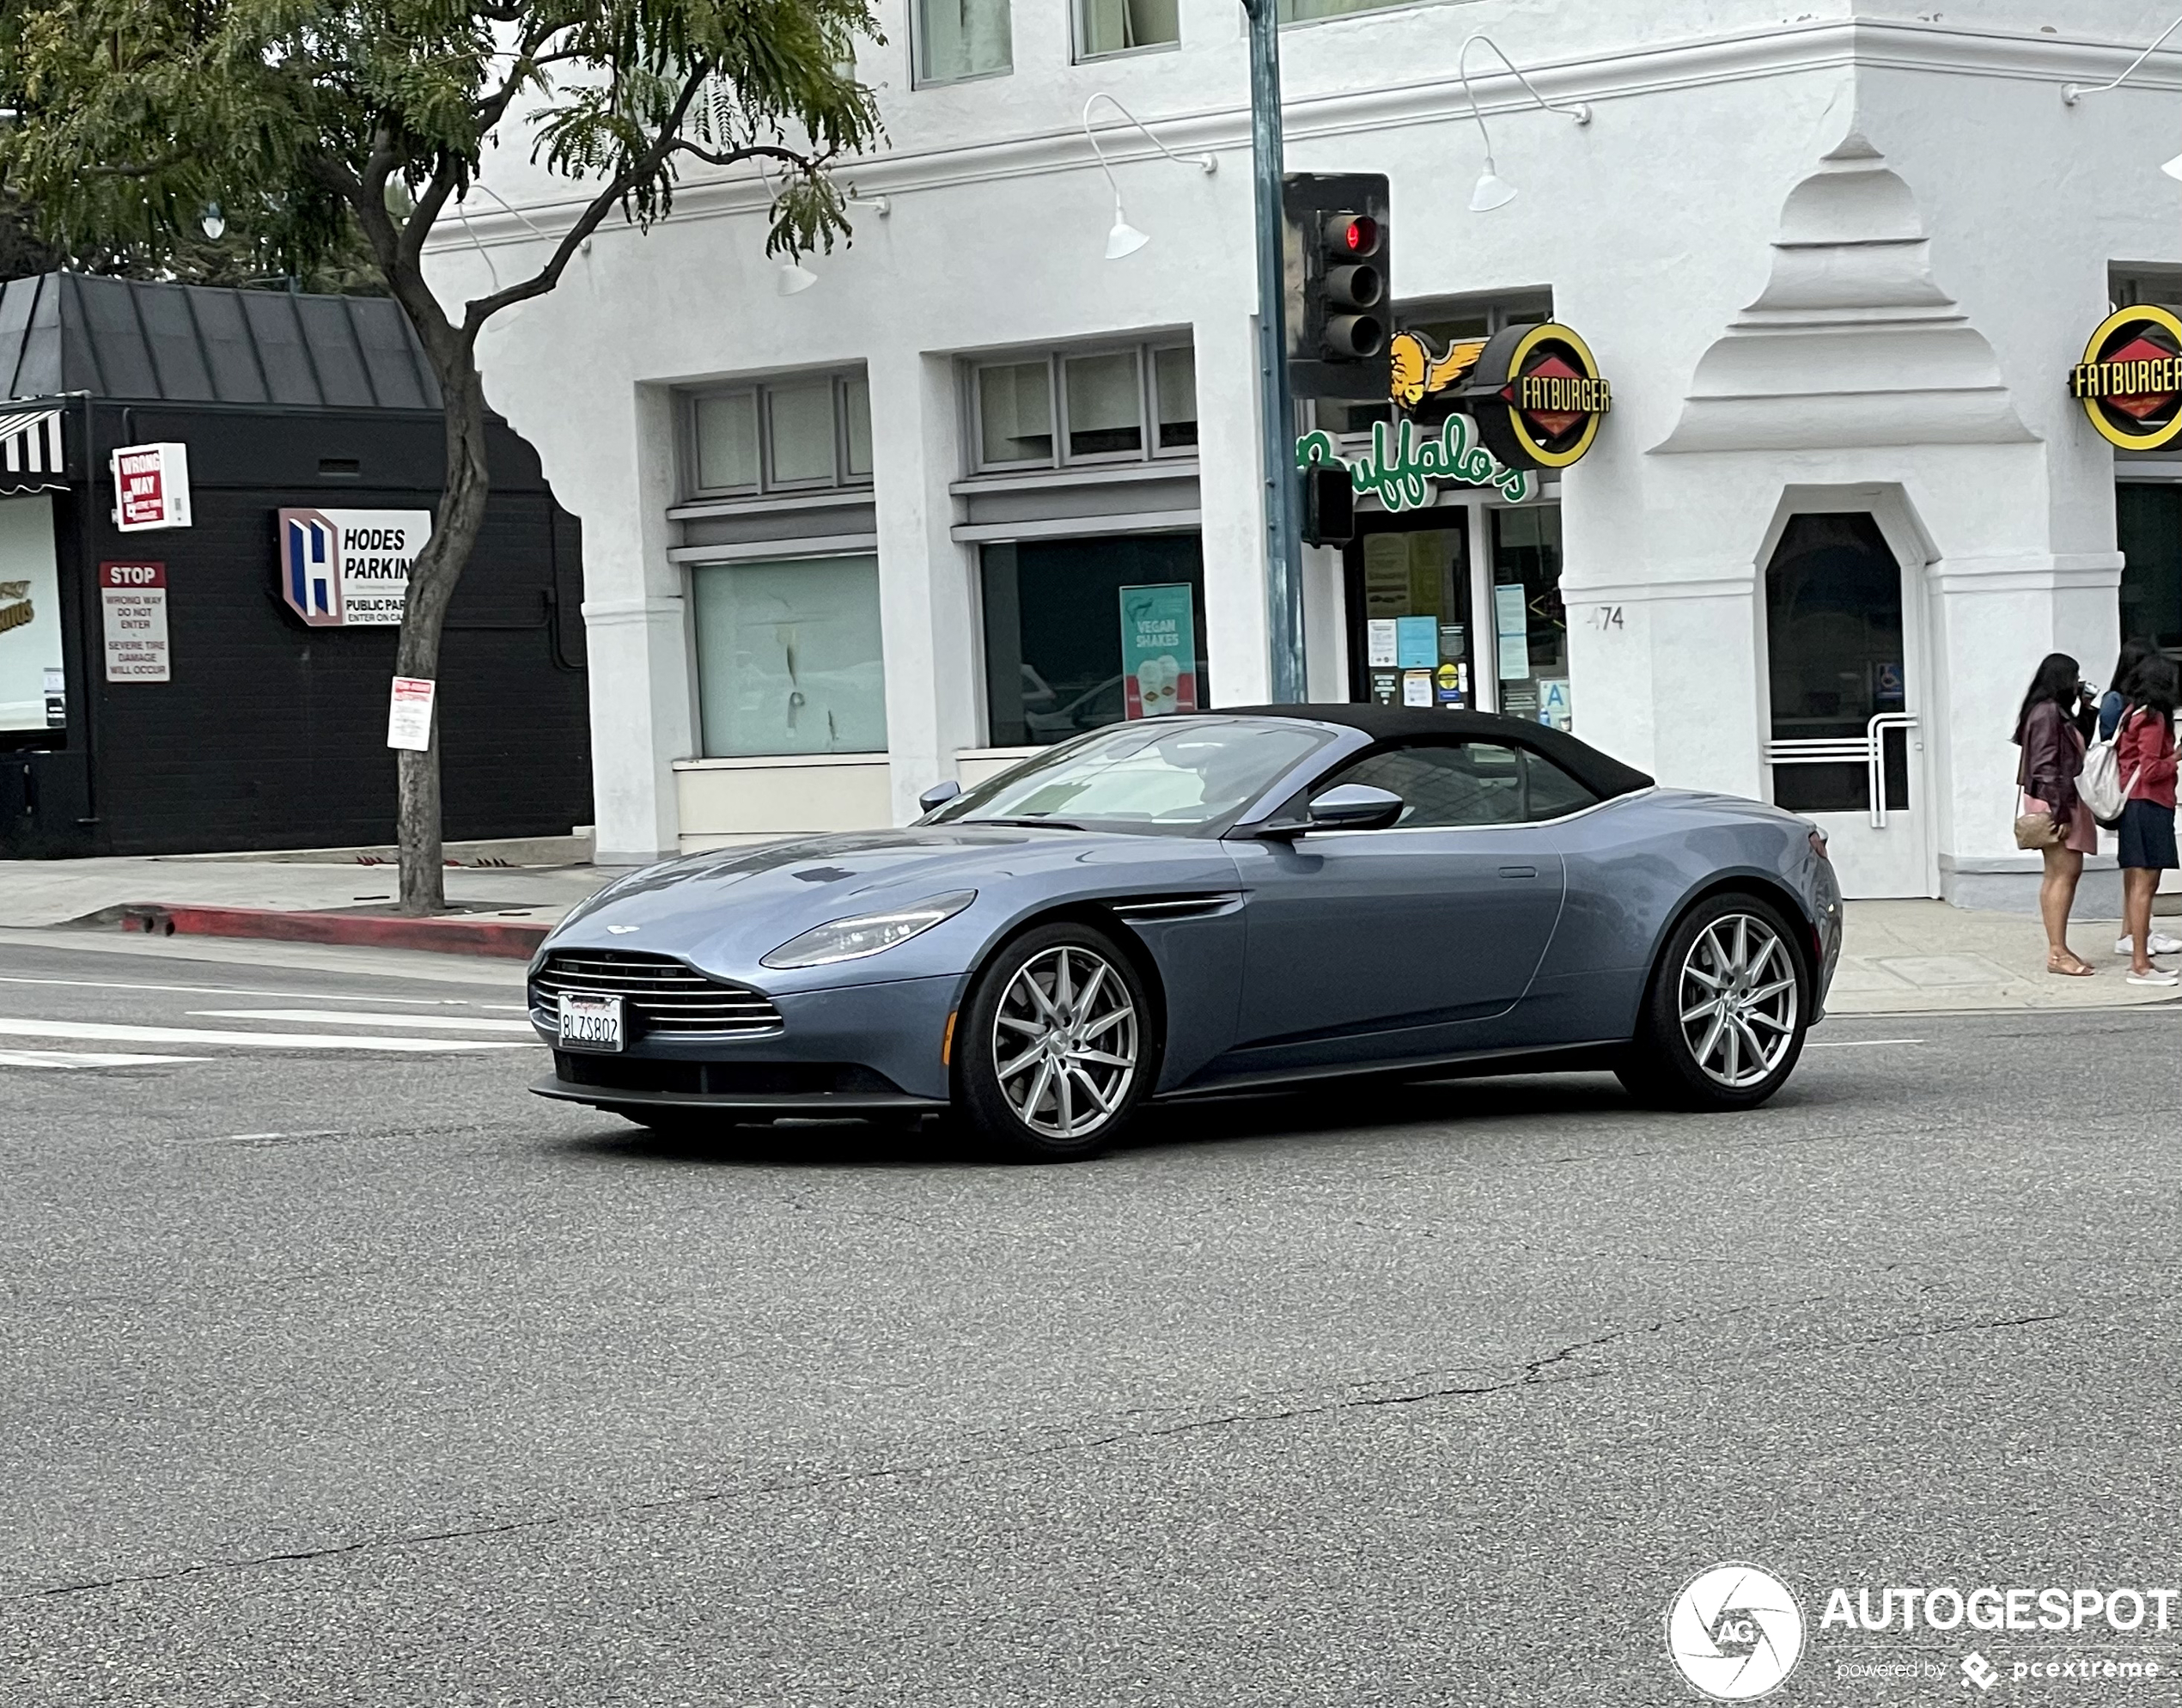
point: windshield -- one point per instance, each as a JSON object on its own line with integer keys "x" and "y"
{"x": 1173, "y": 776}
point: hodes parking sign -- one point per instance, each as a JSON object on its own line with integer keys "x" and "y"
{"x": 350, "y": 569}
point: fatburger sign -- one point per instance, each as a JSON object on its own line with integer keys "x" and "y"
{"x": 2129, "y": 381}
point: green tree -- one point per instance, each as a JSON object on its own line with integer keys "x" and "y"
{"x": 323, "y": 126}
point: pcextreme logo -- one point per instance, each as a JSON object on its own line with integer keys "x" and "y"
{"x": 1735, "y": 1632}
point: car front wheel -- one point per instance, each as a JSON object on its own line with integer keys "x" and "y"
{"x": 1725, "y": 1017}
{"x": 1055, "y": 1047}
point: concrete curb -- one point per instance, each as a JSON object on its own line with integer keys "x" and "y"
{"x": 506, "y": 939}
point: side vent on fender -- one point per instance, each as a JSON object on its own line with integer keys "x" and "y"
{"x": 1153, "y": 910}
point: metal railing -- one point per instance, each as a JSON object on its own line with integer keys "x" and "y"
{"x": 1869, "y": 750}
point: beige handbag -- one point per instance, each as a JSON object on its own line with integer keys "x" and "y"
{"x": 2033, "y": 830}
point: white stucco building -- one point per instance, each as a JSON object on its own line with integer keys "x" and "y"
{"x": 1838, "y": 261}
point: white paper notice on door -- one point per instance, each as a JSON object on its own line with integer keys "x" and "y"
{"x": 1381, "y": 642}
{"x": 409, "y": 714}
{"x": 1511, "y": 621}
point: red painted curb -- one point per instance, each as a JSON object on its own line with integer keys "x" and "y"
{"x": 509, "y": 939}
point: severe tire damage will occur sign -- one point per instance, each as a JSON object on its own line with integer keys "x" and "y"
{"x": 133, "y": 597}
{"x": 350, "y": 569}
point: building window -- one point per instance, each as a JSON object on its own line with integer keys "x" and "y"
{"x": 1304, "y": 11}
{"x": 1053, "y": 630}
{"x": 1124, "y": 26}
{"x": 786, "y": 435}
{"x": 1096, "y": 405}
{"x": 788, "y": 657}
{"x": 1530, "y": 623}
{"x": 961, "y": 38}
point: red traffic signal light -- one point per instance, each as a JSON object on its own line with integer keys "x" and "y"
{"x": 1357, "y": 236}
{"x": 1338, "y": 280}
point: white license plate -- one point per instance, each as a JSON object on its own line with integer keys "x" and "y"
{"x": 592, "y": 1022}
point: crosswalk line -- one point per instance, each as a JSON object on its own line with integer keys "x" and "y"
{"x": 439, "y": 1022}
{"x": 87, "y": 1058}
{"x": 113, "y": 1032}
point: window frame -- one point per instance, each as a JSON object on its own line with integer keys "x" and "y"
{"x": 1513, "y": 742}
{"x": 1145, "y": 351}
{"x": 760, "y": 391}
{"x": 922, "y": 78}
{"x": 1080, "y": 52}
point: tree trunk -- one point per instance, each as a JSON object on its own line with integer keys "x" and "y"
{"x": 431, "y": 586}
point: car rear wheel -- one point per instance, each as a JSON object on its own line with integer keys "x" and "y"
{"x": 1725, "y": 1018}
{"x": 1055, "y": 1047}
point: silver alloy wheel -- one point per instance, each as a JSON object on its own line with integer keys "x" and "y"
{"x": 1738, "y": 1000}
{"x": 1064, "y": 1042}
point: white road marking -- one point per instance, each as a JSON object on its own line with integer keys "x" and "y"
{"x": 1858, "y": 1043}
{"x": 266, "y": 1040}
{"x": 444, "y": 1022}
{"x": 63, "y": 1059}
{"x": 234, "y": 991}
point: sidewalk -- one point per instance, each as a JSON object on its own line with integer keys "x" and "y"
{"x": 493, "y": 911}
{"x": 1927, "y": 957}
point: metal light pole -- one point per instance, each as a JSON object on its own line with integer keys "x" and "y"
{"x": 1283, "y": 511}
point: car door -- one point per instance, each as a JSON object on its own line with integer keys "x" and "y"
{"x": 1372, "y": 945}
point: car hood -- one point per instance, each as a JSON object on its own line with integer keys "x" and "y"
{"x": 723, "y": 910}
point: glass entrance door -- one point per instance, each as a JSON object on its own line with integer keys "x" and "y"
{"x": 1841, "y": 638}
{"x": 1411, "y": 636}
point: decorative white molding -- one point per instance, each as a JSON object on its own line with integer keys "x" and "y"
{"x": 599, "y": 613}
{"x": 1852, "y": 343}
{"x": 780, "y": 545}
{"x": 2056, "y": 572}
{"x": 1658, "y": 592}
{"x": 1621, "y": 74}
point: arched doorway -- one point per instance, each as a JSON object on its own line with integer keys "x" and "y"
{"x": 1842, "y": 645}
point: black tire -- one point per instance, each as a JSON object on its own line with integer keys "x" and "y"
{"x": 1101, "y": 1052}
{"x": 1743, "y": 1048}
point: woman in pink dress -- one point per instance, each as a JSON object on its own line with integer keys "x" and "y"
{"x": 2050, "y": 729}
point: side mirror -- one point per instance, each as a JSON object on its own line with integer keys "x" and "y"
{"x": 938, "y": 794}
{"x": 1355, "y": 806}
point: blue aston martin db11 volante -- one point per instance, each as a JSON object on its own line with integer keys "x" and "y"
{"x": 1203, "y": 904}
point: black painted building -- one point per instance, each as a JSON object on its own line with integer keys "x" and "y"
{"x": 268, "y": 732}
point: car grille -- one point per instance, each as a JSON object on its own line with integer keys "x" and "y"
{"x": 664, "y": 996}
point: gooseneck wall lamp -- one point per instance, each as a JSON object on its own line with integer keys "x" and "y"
{"x": 2072, "y": 93}
{"x": 1492, "y": 191}
{"x": 1124, "y": 239}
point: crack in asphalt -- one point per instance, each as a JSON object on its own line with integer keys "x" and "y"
{"x": 1417, "y": 1388}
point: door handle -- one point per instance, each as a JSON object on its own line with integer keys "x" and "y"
{"x": 1519, "y": 871}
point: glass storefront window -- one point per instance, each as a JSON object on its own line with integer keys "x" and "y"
{"x": 1016, "y": 412}
{"x": 726, "y": 430}
{"x": 1174, "y": 395}
{"x": 1120, "y": 26}
{"x": 2148, "y": 521}
{"x": 788, "y": 657}
{"x": 1411, "y": 633}
{"x": 1105, "y": 404}
{"x": 1052, "y": 628}
{"x": 856, "y": 408}
{"x": 959, "y": 39}
{"x": 801, "y": 422}
{"x": 1530, "y": 624}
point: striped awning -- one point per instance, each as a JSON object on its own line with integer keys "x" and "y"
{"x": 31, "y": 458}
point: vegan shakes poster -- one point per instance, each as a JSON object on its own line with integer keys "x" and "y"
{"x": 1158, "y": 649}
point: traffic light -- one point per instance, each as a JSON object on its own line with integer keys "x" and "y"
{"x": 1335, "y": 252}
{"x": 1329, "y": 505}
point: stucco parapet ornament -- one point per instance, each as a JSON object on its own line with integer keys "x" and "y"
{"x": 1853, "y": 343}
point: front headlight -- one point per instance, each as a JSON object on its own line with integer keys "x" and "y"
{"x": 866, "y": 934}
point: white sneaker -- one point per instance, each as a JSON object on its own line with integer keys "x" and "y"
{"x": 2162, "y": 945}
{"x": 2156, "y": 976}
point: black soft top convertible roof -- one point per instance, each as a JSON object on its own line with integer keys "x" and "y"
{"x": 1604, "y": 777}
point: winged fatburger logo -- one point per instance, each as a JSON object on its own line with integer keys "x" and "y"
{"x": 1535, "y": 392}
{"x": 15, "y": 608}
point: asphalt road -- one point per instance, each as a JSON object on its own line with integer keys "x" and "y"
{"x": 336, "y": 1375}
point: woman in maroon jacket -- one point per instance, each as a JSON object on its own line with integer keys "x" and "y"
{"x": 2050, "y": 731}
{"x": 2144, "y": 754}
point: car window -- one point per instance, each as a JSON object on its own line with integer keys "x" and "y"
{"x": 1553, "y": 793}
{"x": 1446, "y": 784}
